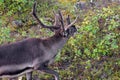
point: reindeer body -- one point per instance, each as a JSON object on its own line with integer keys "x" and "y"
{"x": 18, "y": 56}
{"x": 34, "y": 53}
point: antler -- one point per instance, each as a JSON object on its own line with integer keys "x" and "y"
{"x": 43, "y": 25}
{"x": 68, "y": 20}
{"x": 57, "y": 21}
{"x": 69, "y": 24}
{"x": 61, "y": 20}
{"x": 72, "y": 22}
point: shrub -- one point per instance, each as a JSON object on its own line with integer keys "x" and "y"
{"x": 5, "y": 35}
{"x": 96, "y": 38}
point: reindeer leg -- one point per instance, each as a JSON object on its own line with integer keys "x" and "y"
{"x": 29, "y": 76}
{"x": 47, "y": 70}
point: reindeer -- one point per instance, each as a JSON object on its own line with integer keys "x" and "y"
{"x": 32, "y": 54}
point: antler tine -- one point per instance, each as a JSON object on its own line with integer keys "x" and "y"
{"x": 56, "y": 22}
{"x": 61, "y": 20}
{"x": 72, "y": 22}
{"x": 68, "y": 19}
{"x": 35, "y": 16}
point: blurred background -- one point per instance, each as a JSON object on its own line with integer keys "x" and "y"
{"x": 92, "y": 54}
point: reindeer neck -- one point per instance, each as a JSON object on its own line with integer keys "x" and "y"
{"x": 55, "y": 42}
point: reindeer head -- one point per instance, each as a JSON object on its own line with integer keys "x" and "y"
{"x": 59, "y": 27}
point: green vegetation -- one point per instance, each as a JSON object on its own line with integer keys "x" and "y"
{"x": 92, "y": 54}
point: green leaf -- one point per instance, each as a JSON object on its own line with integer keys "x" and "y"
{"x": 1, "y": 1}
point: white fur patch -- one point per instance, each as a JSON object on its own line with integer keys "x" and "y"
{"x": 12, "y": 68}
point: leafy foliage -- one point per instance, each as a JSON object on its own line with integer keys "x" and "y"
{"x": 95, "y": 39}
{"x": 95, "y": 47}
{"x": 5, "y": 35}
